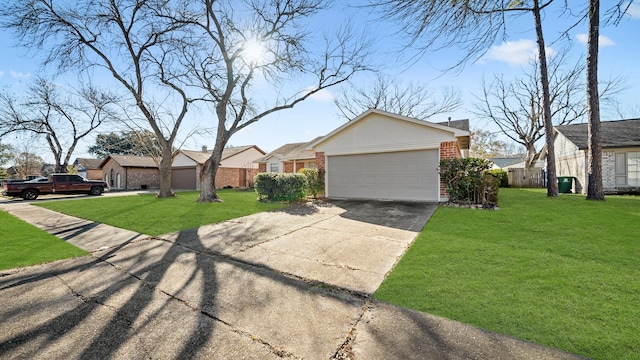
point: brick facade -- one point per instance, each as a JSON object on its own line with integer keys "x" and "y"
{"x": 448, "y": 150}
{"x": 130, "y": 178}
{"x": 235, "y": 177}
{"x": 262, "y": 167}
{"x": 288, "y": 167}
{"x": 320, "y": 161}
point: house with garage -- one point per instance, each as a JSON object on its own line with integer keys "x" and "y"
{"x": 384, "y": 156}
{"x": 289, "y": 158}
{"x": 237, "y": 167}
{"x": 620, "y": 155}
{"x": 128, "y": 172}
{"x": 89, "y": 168}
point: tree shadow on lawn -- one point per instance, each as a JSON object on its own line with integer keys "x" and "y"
{"x": 150, "y": 298}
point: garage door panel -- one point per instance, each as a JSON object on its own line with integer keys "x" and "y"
{"x": 407, "y": 175}
{"x": 183, "y": 178}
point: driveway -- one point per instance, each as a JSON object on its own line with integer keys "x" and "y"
{"x": 293, "y": 283}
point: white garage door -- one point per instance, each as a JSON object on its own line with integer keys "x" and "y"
{"x": 406, "y": 175}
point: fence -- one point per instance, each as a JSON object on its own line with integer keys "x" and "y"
{"x": 527, "y": 178}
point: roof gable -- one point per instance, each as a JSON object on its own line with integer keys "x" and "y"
{"x": 613, "y": 134}
{"x": 377, "y": 130}
{"x": 88, "y": 164}
{"x": 202, "y": 156}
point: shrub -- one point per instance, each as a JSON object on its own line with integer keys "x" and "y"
{"x": 315, "y": 181}
{"x": 464, "y": 179}
{"x": 281, "y": 187}
{"x": 501, "y": 175}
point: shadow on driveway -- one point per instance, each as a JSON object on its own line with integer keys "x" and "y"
{"x": 399, "y": 215}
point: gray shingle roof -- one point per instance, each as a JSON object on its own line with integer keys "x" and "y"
{"x": 132, "y": 161}
{"x": 89, "y": 164}
{"x": 462, "y": 124}
{"x": 293, "y": 151}
{"x": 614, "y": 134}
{"x": 202, "y": 156}
{"x": 502, "y": 162}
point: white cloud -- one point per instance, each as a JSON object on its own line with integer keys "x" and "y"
{"x": 518, "y": 52}
{"x": 602, "y": 40}
{"x": 19, "y": 75}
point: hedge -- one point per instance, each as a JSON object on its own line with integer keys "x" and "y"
{"x": 281, "y": 187}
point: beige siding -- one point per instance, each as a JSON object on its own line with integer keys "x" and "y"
{"x": 243, "y": 160}
{"x": 380, "y": 133}
{"x": 182, "y": 160}
{"x": 571, "y": 161}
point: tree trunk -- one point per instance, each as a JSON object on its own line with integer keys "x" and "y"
{"x": 208, "y": 177}
{"x": 532, "y": 156}
{"x": 594, "y": 186}
{"x": 165, "y": 173}
{"x": 552, "y": 182}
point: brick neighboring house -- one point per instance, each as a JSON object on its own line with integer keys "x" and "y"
{"x": 127, "y": 172}
{"x": 237, "y": 167}
{"x": 289, "y": 158}
{"x": 620, "y": 155}
{"x": 89, "y": 168}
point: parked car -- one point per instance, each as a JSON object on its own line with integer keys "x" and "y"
{"x": 39, "y": 179}
{"x": 55, "y": 184}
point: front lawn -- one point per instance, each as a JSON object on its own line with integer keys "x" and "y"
{"x": 561, "y": 272}
{"x": 23, "y": 244}
{"x": 149, "y": 215}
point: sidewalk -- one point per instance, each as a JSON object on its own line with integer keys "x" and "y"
{"x": 251, "y": 288}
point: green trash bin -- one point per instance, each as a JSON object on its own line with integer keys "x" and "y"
{"x": 565, "y": 183}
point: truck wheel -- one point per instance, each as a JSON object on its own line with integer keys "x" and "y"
{"x": 96, "y": 190}
{"x": 30, "y": 194}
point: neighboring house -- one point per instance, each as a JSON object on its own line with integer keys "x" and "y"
{"x": 89, "y": 168}
{"x": 502, "y": 163}
{"x": 289, "y": 158}
{"x": 128, "y": 172}
{"x": 620, "y": 155}
{"x": 237, "y": 167}
{"x": 384, "y": 156}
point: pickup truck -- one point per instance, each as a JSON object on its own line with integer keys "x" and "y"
{"x": 56, "y": 184}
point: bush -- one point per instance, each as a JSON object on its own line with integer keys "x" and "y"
{"x": 465, "y": 179}
{"x": 501, "y": 175}
{"x": 281, "y": 187}
{"x": 315, "y": 181}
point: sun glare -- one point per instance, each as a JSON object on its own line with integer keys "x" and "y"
{"x": 254, "y": 52}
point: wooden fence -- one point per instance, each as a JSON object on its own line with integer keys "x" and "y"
{"x": 527, "y": 178}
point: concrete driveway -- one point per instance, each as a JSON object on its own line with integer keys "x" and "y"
{"x": 287, "y": 284}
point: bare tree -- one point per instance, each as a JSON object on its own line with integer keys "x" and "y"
{"x": 63, "y": 117}
{"x": 236, "y": 44}
{"x": 474, "y": 26}
{"x": 132, "y": 40}
{"x": 486, "y": 145}
{"x": 27, "y": 163}
{"x": 413, "y": 100}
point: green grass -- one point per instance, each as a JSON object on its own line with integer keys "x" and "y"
{"x": 149, "y": 215}
{"x": 562, "y": 272}
{"x": 23, "y": 244}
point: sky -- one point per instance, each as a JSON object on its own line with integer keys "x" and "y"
{"x": 318, "y": 115}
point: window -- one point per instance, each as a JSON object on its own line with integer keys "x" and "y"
{"x": 274, "y": 167}
{"x": 633, "y": 168}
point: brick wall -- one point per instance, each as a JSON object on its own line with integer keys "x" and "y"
{"x": 235, "y": 177}
{"x": 288, "y": 167}
{"x": 448, "y": 150}
{"x": 262, "y": 167}
{"x": 608, "y": 170}
{"x": 137, "y": 177}
{"x": 320, "y": 161}
{"x": 130, "y": 178}
{"x": 95, "y": 174}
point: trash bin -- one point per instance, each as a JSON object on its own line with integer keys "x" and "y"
{"x": 565, "y": 183}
